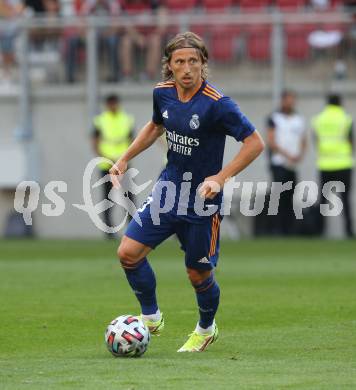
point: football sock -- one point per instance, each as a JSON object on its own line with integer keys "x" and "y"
{"x": 208, "y": 294}
{"x": 143, "y": 283}
{"x": 153, "y": 317}
{"x": 208, "y": 331}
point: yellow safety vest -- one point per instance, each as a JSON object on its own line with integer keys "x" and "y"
{"x": 115, "y": 129}
{"x": 332, "y": 127}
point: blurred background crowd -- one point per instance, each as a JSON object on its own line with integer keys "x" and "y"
{"x": 132, "y": 52}
{"x": 61, "y": 59}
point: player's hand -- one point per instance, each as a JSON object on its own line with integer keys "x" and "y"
{"x": 211, "y": 187}
{"x": 117, "y": 170}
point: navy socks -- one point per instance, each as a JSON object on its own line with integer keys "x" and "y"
{"x": 208, "y": 294}
{"x": 143, "y": 283}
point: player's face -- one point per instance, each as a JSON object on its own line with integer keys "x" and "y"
{"x": 186, "y": 66}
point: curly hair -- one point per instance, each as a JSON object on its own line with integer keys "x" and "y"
{"x": 182, "y": 41}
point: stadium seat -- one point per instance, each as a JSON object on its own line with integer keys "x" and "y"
{"x": 77, "y": 5}
{"x": 250, "y": 5}
{"x": 216, "y": 5}
{"x": 258, "y": 43}
{"x": 296, "y": 45}
{"x": 200, "y": 29}
{"x": 290, "y": 5}
{"x": 181, "y": 5}
{"x": 333, "y": 27}
{"x": 222, "y": 42}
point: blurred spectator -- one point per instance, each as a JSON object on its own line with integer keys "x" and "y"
{"x": 112, "y": 135}
{"x": 333, "y": 129}
{"x": 46, "y": 8}
{"x": 286, "y": 138}
{"x": 320, "y": 5}
{"x": 143, "y": 38}
{"x": 9, "y": 10}
{"x": 347, "y": 43}
{"x": 36, "y": 6}
{"x": 108, "y": 37}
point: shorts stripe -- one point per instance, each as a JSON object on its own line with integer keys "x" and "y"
{"x": 214, "y": 234}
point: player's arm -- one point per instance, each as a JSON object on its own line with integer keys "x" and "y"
{"x": 252, "y": 147}
{"x": 146, "y": 137}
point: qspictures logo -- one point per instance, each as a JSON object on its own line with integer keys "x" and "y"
{"x": 167, "y": 196}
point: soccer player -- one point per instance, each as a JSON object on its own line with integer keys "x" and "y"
{"x": 196, "y": 118}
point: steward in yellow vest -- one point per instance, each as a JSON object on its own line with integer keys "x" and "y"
{"x": 333, "y": 133}
{"x": 113, "y": 133}
{"x": 333, "y": 128}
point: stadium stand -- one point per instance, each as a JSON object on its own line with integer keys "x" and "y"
{"x": 216, "y": 5}
{"x": 297, "y": 47}
{"x": 258, "y": 42}
{"x": 253, "y": 5}
{"x": 290, "y": 5}
{"x": 181, "y": 6}
{"x": 222, "y": 42}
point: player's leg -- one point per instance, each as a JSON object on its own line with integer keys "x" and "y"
{"x": 140, "y": 275}
{"x": 139, "y": 240}
{"x": 201, "y": 244}
{"x": 132, "y": 255}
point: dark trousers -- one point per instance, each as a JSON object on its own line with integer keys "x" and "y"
{"x": 345, "y": 177}
{"x": 107, "y": 186}
{"x": 284, "y": 221}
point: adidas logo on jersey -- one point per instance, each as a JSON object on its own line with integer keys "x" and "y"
{"x": 165, "y": 114}
{"x": 204, "y": 260}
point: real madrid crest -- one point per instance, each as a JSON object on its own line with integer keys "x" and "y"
{"x": 194, "y": 122}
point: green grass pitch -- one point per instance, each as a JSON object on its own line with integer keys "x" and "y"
{"x": 287, "y": 317}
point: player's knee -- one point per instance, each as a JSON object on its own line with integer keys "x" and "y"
{"x": 196, "y": 276}
{"x": 126, "y": 255}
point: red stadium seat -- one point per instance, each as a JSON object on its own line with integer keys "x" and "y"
{"x": 290, "y": 5}
{"x": 297, "y": 46}
{"x": 222, "y": 43}
{"x": 136, "y": 8}
{"x": 200, "y": 29}
{"x": 216, "y": 5}
{"x": 77, "y": 5}
{"x": 258, "y": 43}
{"x": 181, "y": 5}
{"x": 333, "y": 27}
{"x": 248, "y": 5}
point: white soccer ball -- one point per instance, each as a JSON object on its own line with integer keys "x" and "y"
{"x": 127, "y": 336}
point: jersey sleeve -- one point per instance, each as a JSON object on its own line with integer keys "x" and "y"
{"x": 231, "y": 120}
{"x": 157, "y": 115}
{"x": 270, "y": 122}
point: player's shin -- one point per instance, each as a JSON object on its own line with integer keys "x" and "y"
{"x": 143, "y": 283}
{"x": 208, "y": 294}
